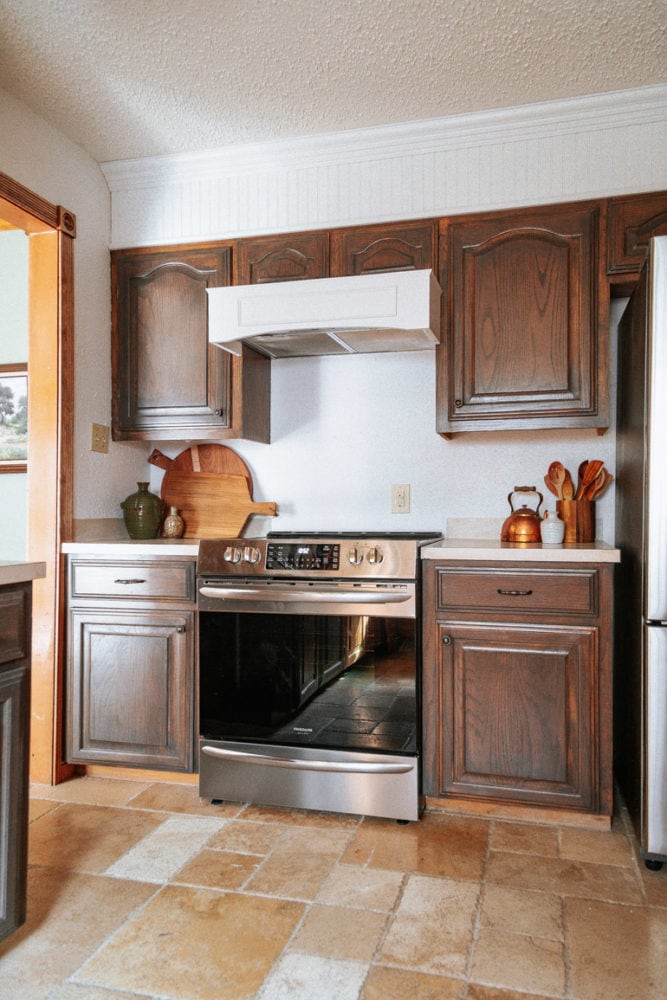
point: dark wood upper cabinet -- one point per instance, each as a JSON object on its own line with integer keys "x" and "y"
{"x": 404, "y": 246}
{"x": 525, "y": 342}
{"x": 631, "y": 222}
{"x": 168, "y": 381}
{"x": 287, "y": 257}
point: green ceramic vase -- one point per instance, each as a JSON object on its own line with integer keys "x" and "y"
{"x": 142, "y": 512}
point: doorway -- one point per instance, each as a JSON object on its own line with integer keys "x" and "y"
{"x": 51, "y": 231}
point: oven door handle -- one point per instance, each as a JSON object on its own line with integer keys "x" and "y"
{"x": 268, "y": 760}
{"x": 294, "y": 596}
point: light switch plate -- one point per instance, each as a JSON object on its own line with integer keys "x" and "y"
{"x": 99, "y": 438}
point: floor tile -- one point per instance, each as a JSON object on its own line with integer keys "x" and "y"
{"x": 616, "y": 951}
{"x": 75, "y": 991}
{"x": 479, "y": 992}
{"x": 87, "y": 838}
{"x": 218, "y": 869}
{"x": 432, "y": 928}
{"x": 593, "y": 845}
{"x": 167, "y": 797}
{"x": 340, "y": 932}
{"x": 163, "y": 851}
{"x": 524, "y": 838}
{"x": 655, "y": 885}
{"x": 299, "y": 863}
{"x": 564, "y": 878}
{"x": 522, "y": 911}
{"x": 398, "y": 984}
{"x": 363, "y": 888}
{"x": 313, "y": 977}
{"x": 38, "y": 807}
{"x": 69, "y": 916}
{"x": 447, "y": 846}
{"x": 519, "y": 962}
{"x": 228, "y": 942}
{"x": 92, "y": 791}
{"x": 249, "y": 838}
{"x": 300, "y": 817}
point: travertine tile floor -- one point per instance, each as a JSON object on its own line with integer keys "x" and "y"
{"x": 143, "y": 890}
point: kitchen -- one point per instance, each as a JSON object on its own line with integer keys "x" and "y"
{"x": 356, "y": 419}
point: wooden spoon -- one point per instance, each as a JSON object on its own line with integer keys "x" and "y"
{"x": 556, "y": 474}
{"x": 591, "y": 473}
{"x": 580, "y": 480}
{"x": 568, "y": 487}
{"x": 599, "y": 485}
{"x": 550, "y": 486}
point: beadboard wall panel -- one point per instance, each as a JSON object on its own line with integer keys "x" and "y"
{"x": 560, "y": 151}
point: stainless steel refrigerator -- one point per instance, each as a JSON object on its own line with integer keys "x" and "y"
{"x": 640, "y": 620}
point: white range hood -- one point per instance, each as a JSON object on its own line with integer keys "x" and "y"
{"x": 363, "y": 314}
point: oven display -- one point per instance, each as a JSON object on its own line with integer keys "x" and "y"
{"x": 310, "y": 556}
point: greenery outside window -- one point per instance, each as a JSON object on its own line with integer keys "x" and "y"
{"x": 13, "y": 418}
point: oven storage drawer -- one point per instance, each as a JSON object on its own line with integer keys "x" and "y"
{"x": 132, "y": 579}
{"x": 549, "y": 591}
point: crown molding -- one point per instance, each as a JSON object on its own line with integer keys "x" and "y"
{"x": 419, "y": 137}
{"x": 610, "y": 143}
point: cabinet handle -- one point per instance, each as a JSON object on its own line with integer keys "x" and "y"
{"x": 446, "y": 640}
{"x": 458, "y": 402}
{"x": 514, "y": 593}
{"x": 129, "y": 581}
{"x": 219, "y": 413}
{"x": 181, "y": 628}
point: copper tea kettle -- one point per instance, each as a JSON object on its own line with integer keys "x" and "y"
{"x": 522, "y": 525}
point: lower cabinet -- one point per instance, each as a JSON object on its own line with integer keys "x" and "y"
{"x": 131, "y": 663}
{"x": 15, "y": 605}
{"x": 517, "y": 703}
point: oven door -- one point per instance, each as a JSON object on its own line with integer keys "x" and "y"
{"x": 309, "y": 701}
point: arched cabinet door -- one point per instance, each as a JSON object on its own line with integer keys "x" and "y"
{"x": 168, "y": 381}
{"x": 526, "y": 333}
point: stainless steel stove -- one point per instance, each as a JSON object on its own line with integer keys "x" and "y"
{"x": 310, "y": 654}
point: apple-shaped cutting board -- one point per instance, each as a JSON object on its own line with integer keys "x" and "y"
{"x": 212, "y": 488}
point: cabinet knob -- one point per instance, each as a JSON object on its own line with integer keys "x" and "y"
{"x": 219, "y": 413}
{"x": 446, "y": 640}
{"x": 181, "y": 628}
{"x": 458, "y": 402}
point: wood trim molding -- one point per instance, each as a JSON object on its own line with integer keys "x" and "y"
{"x": 21, "y": 200}
{"x": 50, "y": 452}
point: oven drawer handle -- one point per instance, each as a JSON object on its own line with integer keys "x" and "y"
{"x": 308, "y": 765}
{"x": 293, "y": 596}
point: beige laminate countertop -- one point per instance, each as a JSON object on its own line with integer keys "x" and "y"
{"x": 488, "y": 550}
{"x": 20, "y": 572}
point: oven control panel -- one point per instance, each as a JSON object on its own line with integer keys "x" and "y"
{"x": 302, "y": 556}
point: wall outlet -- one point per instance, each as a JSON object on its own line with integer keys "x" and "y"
{"x": 400, "y": 498}
{"x": 99, "y": 438}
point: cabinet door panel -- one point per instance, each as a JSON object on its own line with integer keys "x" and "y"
{"x": 14, "y": 752}
{"x": 289, "y": 257}
{"x": 168, "y": 379}
{"x": 631, "y": 223}
{"x": 517, "y": 719}
{"x": 391, "y": 247}
{"x": 131, "y": 688}
{"x": 525, "y": 343}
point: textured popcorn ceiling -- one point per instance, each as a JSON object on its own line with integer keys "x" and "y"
{"x": 132, "y": 78}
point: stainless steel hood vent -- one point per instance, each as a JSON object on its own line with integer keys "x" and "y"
{"x": 363, "y": 314}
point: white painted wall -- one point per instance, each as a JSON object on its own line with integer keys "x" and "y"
{"x": 43, "y": 160}
{"x": 13, "y": 350}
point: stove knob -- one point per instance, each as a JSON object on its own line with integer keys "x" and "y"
{"x": 375, "y": 556}
{"x": 355, "y": 556}
{"x": 251, "y": 554}
{"x": 232, "y": 554}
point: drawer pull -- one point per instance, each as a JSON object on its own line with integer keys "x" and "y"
{"x": 130, "y": 580}
{"x": 514, "y": 593}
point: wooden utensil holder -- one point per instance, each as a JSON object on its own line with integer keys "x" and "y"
{"x": 579, "y": 519}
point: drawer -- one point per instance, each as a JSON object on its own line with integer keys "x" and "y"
{"x": 154, "y": 579}
{"x": 547, "y": 591}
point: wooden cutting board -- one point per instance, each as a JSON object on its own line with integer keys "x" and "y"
{"x": 202, "y": 458}
{"x": 213, "y": 505}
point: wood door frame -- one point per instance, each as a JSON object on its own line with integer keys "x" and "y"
{"x": 51, "y": 230}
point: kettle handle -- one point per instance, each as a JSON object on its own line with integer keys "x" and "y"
{"x": 525, "y": 489}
